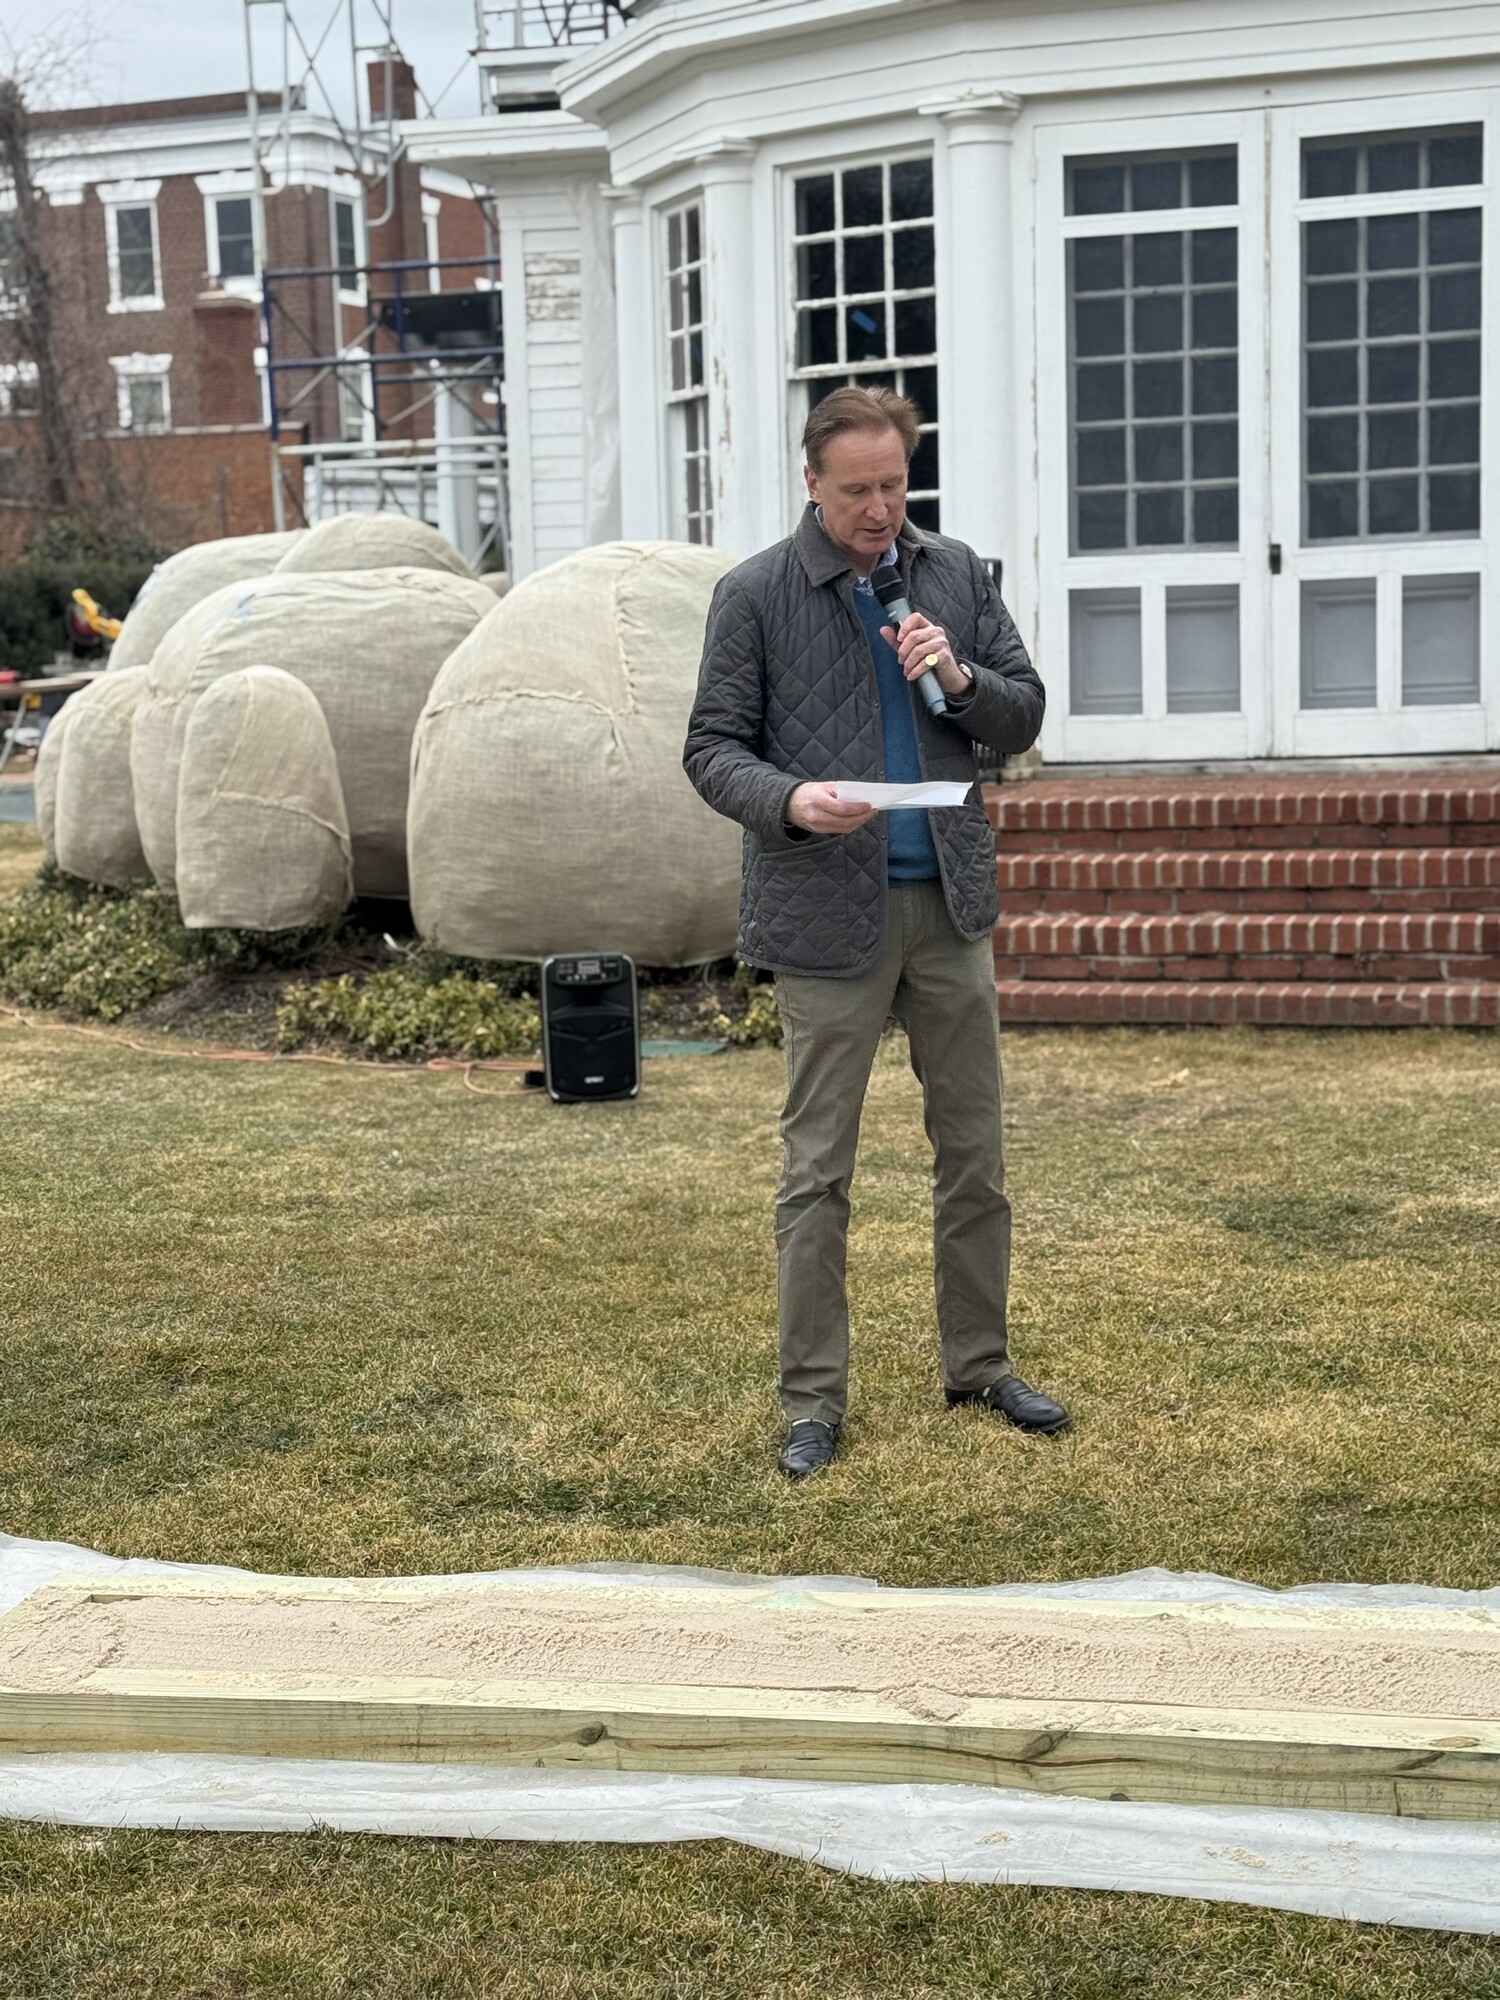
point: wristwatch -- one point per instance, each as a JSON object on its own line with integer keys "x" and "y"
{"x": 969, "y": 675}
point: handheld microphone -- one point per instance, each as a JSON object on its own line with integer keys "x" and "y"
{"x": 888, "y": 587}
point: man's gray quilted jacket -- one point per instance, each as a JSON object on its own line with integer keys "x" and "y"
{"x": 787, "y": 692}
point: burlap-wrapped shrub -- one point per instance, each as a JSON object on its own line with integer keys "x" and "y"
{"x": 44, "y": 778}
{"x": 96, "y": 835}
{"x": 549, "y": 809}
{"x": 373, "y": 541}
{"x": 367, "y": 642}
{"x": 262, "y": 835}
{"x": 184, "y": 580}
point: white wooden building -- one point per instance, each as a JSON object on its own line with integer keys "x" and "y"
{"x": 1190, "y": 294}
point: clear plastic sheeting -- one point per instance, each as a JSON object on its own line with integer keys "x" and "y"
{"x": 1444, "y": 1875}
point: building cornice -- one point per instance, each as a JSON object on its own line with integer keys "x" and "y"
{"x": 498, "y": 146}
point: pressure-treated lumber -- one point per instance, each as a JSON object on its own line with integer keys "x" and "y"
{"x": 189, "y": 1664}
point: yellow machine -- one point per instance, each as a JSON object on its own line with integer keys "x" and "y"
{"x": 89, "y": 618}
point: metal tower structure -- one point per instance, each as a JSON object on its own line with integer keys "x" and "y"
{"x": 383, "y": 376}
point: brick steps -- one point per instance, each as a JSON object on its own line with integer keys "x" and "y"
{"x": 1283, "y": 879}
{"x": 1299, "y": 1003}
{"x": 1320, "y": 901}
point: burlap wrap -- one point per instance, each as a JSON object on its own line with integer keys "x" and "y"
{"x": 184, "y": 580}
{"x": 367, "y": 642}
{"x": 96, "y": 835}
{"x": 373, "y": 541}
{"x": 549, "y": 808}
{"x": 44, "y": 778}
{"x": 262, "y": 835}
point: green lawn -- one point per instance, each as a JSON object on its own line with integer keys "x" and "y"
{"x": 314, "y": 1319}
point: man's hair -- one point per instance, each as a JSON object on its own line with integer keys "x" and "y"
{"x": 852, "y": 409}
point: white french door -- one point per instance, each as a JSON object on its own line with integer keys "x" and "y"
{"x": 1266, "y": 459}
{"x": 1383, "y": 428}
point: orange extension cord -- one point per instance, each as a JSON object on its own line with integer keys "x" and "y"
{"x": 265, "y": 1056}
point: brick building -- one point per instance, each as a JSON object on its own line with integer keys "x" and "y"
{"x": 149, "y": 229}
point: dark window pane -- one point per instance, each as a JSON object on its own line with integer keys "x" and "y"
{"x": 674, "y": 241}
{"x": 1101, "y": 520}
{"x": 694, "y": 236}
{"x": 1455, "y": 160}
{"x": 1333, "y": 444}
{"x": 1452, "y": 368}
{"x": 921, "y": 385}
{"x": 1395, "y": 438}
{"x": 911, "y": 189}
{"x": 1394, "y": 306}
{"x": 1215, "y": 319}
{"x": 695, "y": 360}
{"x": 916, "y": 326}
{"x": 1453, "y": 435}
{"x": 1332, "y": 377}
{"x": 817, "y": 336}
{"x": 1158, "y": 388}
{"x": 864, "y": 264}
{"x": 1395, "y": 163}
{"x": 1159, "y": 519}
{"x": 1157, "y": 321}
{"x": 864, "y": 331}
{"x": 1216, "y": 514}
{"x": 1452, "y": 300}
{"x": 1332, "y": 510}
{"x": 1216, "y": 451}
{"x": 816, "y": 275}
{"x": 864, "y": 198}
{"x": 1101, "y": 458}
{"x": 679, "y": 362}
{"x": 1395, "y": 506}
{"x": 815, "y": 205}
{"x": 1453, "y": 236}
{"x": 1156, "y": 184}
{"x": 1332, "y": 312}
{"x": 1158, "y": 453}
{"x": 1156, "y": 259}
{"x": 912, "y": 256}
{"x": 1215, "y": 256}
{"x": 1332, "y": 247}
{"x": 925, "y": 514}
{"x": 1213, "y": 183}
{"x": 1098, "y": 191}
{"x": 1394, "y": 374}
{"x": 1099, "y": 393}
{"x": 1216, "y": 388}
{"x": 1329, "y": 170}
{"x": 1099, "y": 326}
{"x": 1393, "y": 242}
{"x": 923, "y": 474}
{"x": 236, "y": 238}
{"x": 694, "y": 502}
{"x": 1099, "y": 264}
{"x": 695, "y": 298}
{"x": 1453, "y": 503}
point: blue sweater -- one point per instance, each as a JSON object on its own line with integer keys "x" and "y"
{"x": 911, "y": 855}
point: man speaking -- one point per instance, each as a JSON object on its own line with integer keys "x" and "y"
{"x": 865, "y": 916}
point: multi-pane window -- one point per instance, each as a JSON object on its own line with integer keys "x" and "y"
{"x": 134, "y": 251}
{"x": 1153, "y": 327}
{"x": 234, "y": 227}
{"x": 866, "y": 297}
{"x": 687, "y": 381}
{"x": 1391, "y": 358}
{"x": 143, "y": 391}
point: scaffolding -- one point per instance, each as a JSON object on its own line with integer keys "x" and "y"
{"x": 383, "y": 383}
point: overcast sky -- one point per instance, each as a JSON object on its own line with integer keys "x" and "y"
{"x": 122, "y": 51}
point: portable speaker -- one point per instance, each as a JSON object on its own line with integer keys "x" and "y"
{"x": 591, "y": 1030}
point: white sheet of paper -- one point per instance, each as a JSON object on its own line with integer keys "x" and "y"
{"x": 896, "y": 798}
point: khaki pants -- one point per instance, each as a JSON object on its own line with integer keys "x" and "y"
{"x": 942, "y": 991}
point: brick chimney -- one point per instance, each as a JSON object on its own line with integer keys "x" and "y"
{"x": 403, "y": 87}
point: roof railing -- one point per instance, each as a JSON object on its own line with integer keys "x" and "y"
{"x": 541, "y": 24}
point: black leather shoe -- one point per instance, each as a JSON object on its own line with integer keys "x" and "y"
{"x": 1027, "y": 1408}
{"x": 809, "y": 1447}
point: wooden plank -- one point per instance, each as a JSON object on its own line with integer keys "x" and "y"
{"x": 1427, "y": 1766}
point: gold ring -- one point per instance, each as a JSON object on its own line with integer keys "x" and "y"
{"x": 931, "y": 660}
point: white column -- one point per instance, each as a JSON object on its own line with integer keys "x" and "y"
{"x": 637, "y": 346}
{"x": 457, "y": 467}
{"x": 977, "y": 388}
{"x": 738, "y": 436}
